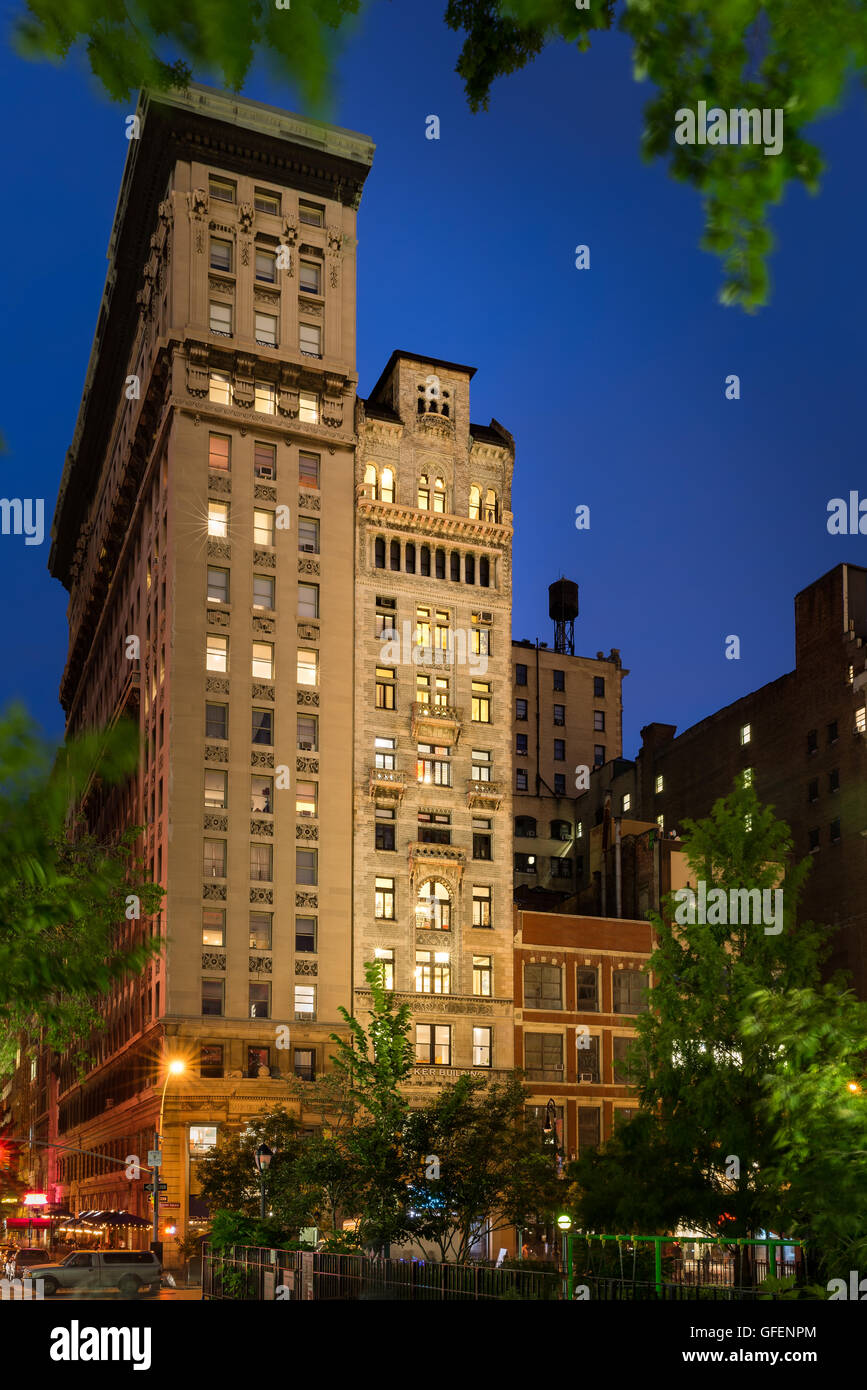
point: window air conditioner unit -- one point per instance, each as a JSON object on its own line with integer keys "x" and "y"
{"x": 265, "y": 470}
{"x": 307, "y": 747}
{"x": 587, "y": 1076}
{"x": 486, "y": 617}
{"x": 310, "y": 549}
{"x": 859, "y": 733}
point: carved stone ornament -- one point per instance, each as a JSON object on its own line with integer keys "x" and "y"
{"x": 245, "y": 253}
{"x": 308, "y": 697}
{"x": 213, "y": 960}
{"x": 307, "y": 765}
{"x": 265, "y": 558}
{"x": 214, "y": 891}
{"x": 306, "y": 900}
{"x": 306, "y": 967}
{"x": 262, "y": 692}
{"x": 216, "y": 753}
{"x": 218, "y": 482}
{"x": 263, "y": 493}
{"x": 216, "y": 618}
{"x": 166, "y": 211}
{"x": 198, "y": 202}
{"x": 258, "y": 759}
{"x": 290, "y": 231}
{"x": 308, "y": 566}
{"x": 309, "y": 501}
{"x": 219, "y": 550}
{"x": 260, "y": 965}
{"x": 264, "y": 626}
{"x": 245, "y": 216}
{"x": 212, "y": 822}
{"x": 261, "y": 895}
{"x": 262, "y": 827}
{"x": 216, "y": 685}
{"x": 307, "y": 832}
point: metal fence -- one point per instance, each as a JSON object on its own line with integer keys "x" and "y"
{"x": 661, "y": 1267}
{"x": 250, "y": 1273}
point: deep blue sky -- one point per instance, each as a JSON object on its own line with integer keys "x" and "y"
{"x": 707, "y": 516}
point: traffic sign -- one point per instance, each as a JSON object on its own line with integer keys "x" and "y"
{"x": 162, "y": 1187}
{"x": 155, "y": 1158}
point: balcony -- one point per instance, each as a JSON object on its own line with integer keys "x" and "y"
{"x": 438, "y": 724}
{"x": 484, "y": 795}
{"x": 386, "y": 784}
{"x": 425, "y": 858}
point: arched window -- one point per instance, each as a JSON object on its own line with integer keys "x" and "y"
{"x": 525, "y": 827}
{"x": 409, "y": 559}
{"x": 490, "y": 505}
{"x": 425, "y": 560}
{"x": 395, "y": 555}
{"x": 455, "y": 567}
{"x": 445, "y": 405}
{"x": 433, "y": 910}
{"x": 469, "y": 569}
{"x": 439, "y": 497}
{"x": 561, "y": 830}
{"x": 423, "y": 493}
{"x": 441, "y": 564}
{"x": 370, "y": 480}
{"x": 485, "y": 572}
{"x": 475, "y": 503}
{"x": 421, "y": 404}
{"x": 379, "y": 553}
{"x": 386, "y": 490}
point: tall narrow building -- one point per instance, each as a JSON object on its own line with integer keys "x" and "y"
{"x": 205, "y": 532}
{"x": 433, "y": 729}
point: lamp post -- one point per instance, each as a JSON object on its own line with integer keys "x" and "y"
{"x": 174, "y": 1068}
{"x": 564, "y": 1222}
{"x": 263, "y": 1163}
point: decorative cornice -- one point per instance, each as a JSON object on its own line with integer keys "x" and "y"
{"x": 393, "y": 517}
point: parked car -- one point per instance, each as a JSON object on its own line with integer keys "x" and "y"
{"x": 19, "y": 1260}
{"x": 126, "y": 1270}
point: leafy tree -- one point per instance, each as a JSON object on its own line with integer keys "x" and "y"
{"x": 816, "y": 1110}
{"x": 157, "y": 44}
{"x": 477, "y": 1165}
{"x": 787, "y": 55}
{"x": 701, "y": 1149}
{"x": 230, "y": 1179}
{"x": 64, "y": 890}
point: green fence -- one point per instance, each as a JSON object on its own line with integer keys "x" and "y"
{"x": 672, "y": 1267}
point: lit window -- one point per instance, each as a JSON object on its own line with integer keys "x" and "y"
{"x": 481, "y": 905}
{"x": 305, "y": 799}
{"x": 263, "y": 661}
{"x": 263, "y": 527}
{"x": 219, "y": 388}
{"x": 261, "y": 794}
{"x": 386, "y": 491}
{"x": 432, "y": 974}
{"x": 383, "y": 899}
{"x": 748, "y": 776}
{"x": 266, "y": 397}
{"x": 217, "y": 653}
{"x": 307, "y": 732}
{"x": 266, "y": 329}
{"x": 423, "y": 493}
{"x": 482, "y": 765}
{"x": 746, "y": 733}
{"x": 660, "y": 821}
{"x": 221, "y": 318}
{"x": 307, "y": 667}
{"x": 482, "y": 976}
{"x": 308, "y": 470}
{"x": 215, "y": 788}
{"x": 386, "y": 688}
{"x": 659, "y": 783}
{"x": 439, "y": 497}
{"x": 259, "y": 1000}
{"x": 262, "y": 862}
{"x": 433, "y": 910}
{"x": 310, "y": 339}
{"x": 218, "y": 518}
{"x": 308, "y": 407}
{"x": 433, "y": 1044}
{"x": 305, "y": 1003}
{"x": 481, "y": 702}
{"x": 475, "y": 503}
{"x": 482, "y": 1046}
{"x": 214, "y": 859}
{"x": 627, "y": 801}
{"x": 219, "y": 452}
{"x": 861, "y": 719}
{"x": 213, "y": 926}
{"x": 386, "y": 960}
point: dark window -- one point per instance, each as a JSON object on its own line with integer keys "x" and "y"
{"x": 481, "y": 844}
{"x": 598, "y": 686}
{"x": 379, "y": 553}
{"x": 814, "y": 839}
{"x": 521, "y": 745}
{"x": 598, "y": 754}
{"x": 211, "y": 1060}
{"x": 559, "y": 750}
{"x": 455, "y": 567}
{"x": 469, "y": 569}
{"x": 559, "y": 784}
{"x": 588, "y": 1127}
{"x": 621, "y": 1047}
{"x": 630, "y": 992}
{"x": 813, "y": 741}
{"x": 258, "y": 1057}
{"x": 216, "y": 721}
{"x": 813, "y": 790}
{"x": 832, "y": 732}
{"x": 260, "y": 998}
{"x": 485, "y": 572}
{"x": 425, "y": 560}
{"x": 543, "y": 1056}
{"x": 305, "y": 1064}
{"x": 410, "y": 558}
{"x": 384, "y": 836}
{"x": 525, "y": 827}
{"x": 395, "y": 555}
{"x": 263, "y": 726}
{"x": 587, "y": 999}
{"x": 521, "y": 709}
{"x": 560, "y": 714}
{"x": 561, "y": 867}
{"x": 559, "y": 680}
{"x": 561, "y": 830}
{"x": 525, "y": 863}
{"x": 835, "y": 831}
{"x": 305, "y": 933}
{"x": 543, "y": 987}
{"x": 834, "y": 780}
{"x": 212, "y": 996}
{"x": 440, "y": 559}
{"x": 587, "y": 1065}
{"x": 521, "y": 780}
{"x": 520, "y": 675}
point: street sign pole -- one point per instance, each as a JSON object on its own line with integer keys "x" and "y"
{"x": 156, "y": 1243}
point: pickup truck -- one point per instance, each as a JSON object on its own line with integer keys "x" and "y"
{"x": 126, "y": 1270}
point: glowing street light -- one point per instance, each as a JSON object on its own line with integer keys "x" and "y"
{"x": 174, "y": 1068}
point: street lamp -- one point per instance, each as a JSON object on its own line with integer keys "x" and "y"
{"x": 155, "y": 1159}
{"x": 564, "y": 1222}
{"x": 263, "y": 1163}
